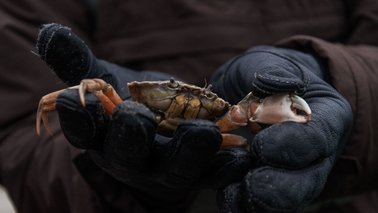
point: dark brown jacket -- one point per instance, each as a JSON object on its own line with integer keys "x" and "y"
{"x": 190, "y": 39}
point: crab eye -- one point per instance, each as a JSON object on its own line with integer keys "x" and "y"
{"x": 173, "y": 83}
{"x": 209, "y": 94}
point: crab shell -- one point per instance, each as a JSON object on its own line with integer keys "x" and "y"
{"x": 160, "y": 96}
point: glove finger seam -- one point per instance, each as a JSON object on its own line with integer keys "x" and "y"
{"x": 51, "y": 38}
{"x": 304, "y": 78}
{"x": 277, "y": 80}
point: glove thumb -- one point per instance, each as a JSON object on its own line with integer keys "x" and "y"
{"x": 280, "y": 74}
{"x": 65, "y": 53}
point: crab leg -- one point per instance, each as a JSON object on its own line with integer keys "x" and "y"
{"x": 232, "y": 140}
{"x": 104, "y": 91}
{"x": 47, "y": 104}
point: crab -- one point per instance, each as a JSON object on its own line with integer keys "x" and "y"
{"x": 172, "y": 101}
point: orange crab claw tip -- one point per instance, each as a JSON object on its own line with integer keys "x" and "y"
{"x": 45, "y": 123}
{"x": 41, "y": 116}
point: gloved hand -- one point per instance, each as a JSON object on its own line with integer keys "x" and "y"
{"x": 164, "y": 173}
{"x": 293, "y": 159}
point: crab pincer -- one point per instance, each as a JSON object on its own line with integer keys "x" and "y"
{"x": 270, "y": 110}
{"x": 257, "y": 113}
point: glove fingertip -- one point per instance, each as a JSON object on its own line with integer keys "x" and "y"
{"x": 134, "y": 123}
{"x": 193, "y": 146}
{"x": 205, "y": 132}
{"x": 229, "y": 166}
{"x": 64, "y": 52}
{"x": 131, "y": 135}
{"x": 46, "y": 32}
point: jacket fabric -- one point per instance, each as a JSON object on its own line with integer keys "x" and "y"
{"x": 189, "y": 39}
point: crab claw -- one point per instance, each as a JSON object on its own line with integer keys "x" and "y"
{"x": 270, "y": 110}
{"x": 282, "y": 107}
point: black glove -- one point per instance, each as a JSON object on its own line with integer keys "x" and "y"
{"x": 163, "y": 173}
{"x": 293, "y": 159}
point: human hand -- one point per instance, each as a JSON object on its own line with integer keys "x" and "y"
{"x": 294, "y": 159}
{"x": 164, "y": 173}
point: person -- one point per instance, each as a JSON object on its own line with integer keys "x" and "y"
{"x": 97, "y": 163}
